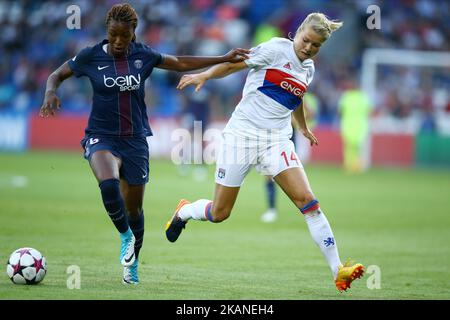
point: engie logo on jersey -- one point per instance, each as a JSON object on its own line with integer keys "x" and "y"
{"x": 125, "y": 83}
{"x": 283, "y": 88}
{"x": 286, "y": 81}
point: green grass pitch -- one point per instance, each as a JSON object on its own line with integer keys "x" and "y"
{"x": 398, "y": 220}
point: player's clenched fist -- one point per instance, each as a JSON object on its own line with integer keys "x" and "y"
{"x": 50, "y": 105}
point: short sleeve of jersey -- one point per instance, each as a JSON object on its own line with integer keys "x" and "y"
{"x": 261, "y": 56}
{"x": 155, "y": 57}
{"x": 79, "y": 63}
{"x": 310, "y": 73}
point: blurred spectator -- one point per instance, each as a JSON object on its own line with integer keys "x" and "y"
{"x": 264, "y": 32}
{"x": 354, "y": 109}
{"x": 34, "y": 40}
{"x": 195, "y": 118}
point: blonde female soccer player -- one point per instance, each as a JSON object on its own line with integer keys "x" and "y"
{"x": 257, "y": 135}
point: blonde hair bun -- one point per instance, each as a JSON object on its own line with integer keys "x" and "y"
{"x": 321, "y": 24}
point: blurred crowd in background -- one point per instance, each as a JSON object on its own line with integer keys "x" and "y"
{"x": 35, "y": 40}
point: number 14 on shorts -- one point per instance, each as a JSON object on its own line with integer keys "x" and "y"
{"x": 293, "y": 157}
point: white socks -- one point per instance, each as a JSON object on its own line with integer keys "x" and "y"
{"x": 315, "y": 219}
{"x": 323, "y": 236}
{"x": 197, "y": 210}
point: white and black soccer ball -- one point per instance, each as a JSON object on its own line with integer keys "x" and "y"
{"x": 26, "y": 266}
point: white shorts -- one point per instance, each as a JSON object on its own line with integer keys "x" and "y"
{"x": 236, "y": 157}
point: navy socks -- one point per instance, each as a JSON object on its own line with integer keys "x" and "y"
{"x": 113, "y": 202}
{"x": 137, "y": 226}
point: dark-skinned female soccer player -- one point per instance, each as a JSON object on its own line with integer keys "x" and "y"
{"x": 115, "y": 138}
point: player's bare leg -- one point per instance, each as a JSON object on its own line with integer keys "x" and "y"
{"x": 134, "y": 197}
{"x": 295, "y": 184}
{"x": 105, "y": 167}
{"x": 223, "y": 202}
{"x": 216, "y": 210}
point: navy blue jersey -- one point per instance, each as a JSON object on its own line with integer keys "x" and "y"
{"x": 118, "y": 107}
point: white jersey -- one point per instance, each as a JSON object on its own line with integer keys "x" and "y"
{"x": 274, "y": 87}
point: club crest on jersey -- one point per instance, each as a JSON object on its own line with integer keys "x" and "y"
{"x": 287, "y": 66}
{"x": 125, "y": 83}
{"x": 138, "y": 64}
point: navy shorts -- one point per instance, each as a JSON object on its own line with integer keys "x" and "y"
{"x": 133, "y": 152}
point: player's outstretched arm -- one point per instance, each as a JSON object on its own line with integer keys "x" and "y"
{"x": 189, "y": 63}
{"x": 300, "y": 118}
{"x": 215, "y": 72}
{"x": 51, "y": 101}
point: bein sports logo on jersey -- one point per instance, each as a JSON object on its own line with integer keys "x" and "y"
{"x": 125, "y": 83}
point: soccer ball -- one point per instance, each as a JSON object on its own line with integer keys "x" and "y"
{"x": 26, "y": 266}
